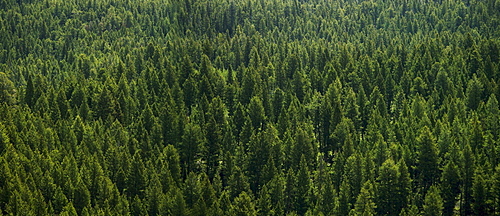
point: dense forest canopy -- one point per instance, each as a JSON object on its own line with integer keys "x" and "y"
{"x": 250, "y": 107}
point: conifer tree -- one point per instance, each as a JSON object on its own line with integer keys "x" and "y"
{"x": 427, "y": 158}
{"x": 433, "y": 203}
{"x": 450, "y": 187}
{"x": 365, "y": 204}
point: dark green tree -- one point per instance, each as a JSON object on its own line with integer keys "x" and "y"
{"x": 480, "y": 193}
{"x": 433, "y": 203}
{"x": 243, "y": 205}
{"x": 386, "y": 202}
{"x": 467, "y": 173}
{"x": 365, "y": 204}
{"x": 450, "y": 187}
{"x": 7, "y": 90}
{"x": 474, "y": 93}
{"x": 192, "y": 147}
{"x": 428, "y": 160}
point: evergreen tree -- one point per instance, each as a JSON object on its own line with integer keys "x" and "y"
{"x": 433, "y": 203}
{"x": 496, "y": 189}
{"x": 192, "y": 148}
{"x": 467, "y": 180}
{"x": 450, "y": 187}
{"x": 427, "y": 158}
{"x": 365, "y": 204}
{"x": 480, "y": 193}
{"x": 474, "y": 93}
{"x": 386, "y": 202}
{"x": 249, "y": 107}
{"x": 303, "y": 187}
{"x": 7, "y": 90}
{"x": 243, "y": 205}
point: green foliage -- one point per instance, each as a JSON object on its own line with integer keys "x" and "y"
{"x": 427, "y": 158}
{"x": 450, "y": 187}
{"x": 365, "y": 204}
{"x": 433, "y": 203}
{"x": 248, "y": 107}
{"x": 389, "y": 200}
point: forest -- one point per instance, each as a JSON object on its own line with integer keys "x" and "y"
{"x": 250, "y": 107}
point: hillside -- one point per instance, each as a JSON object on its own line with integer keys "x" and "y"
{"x": 249, "y": 107}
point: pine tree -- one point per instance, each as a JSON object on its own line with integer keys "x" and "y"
{"x": 256, "y": 113}
{"x": 172, "y": 159}
{"x": 427, "y": 161}
{"x": 495, "y": 190}
{"x": 137, "y": 179}
{"x": 433, "y": 203}
{"x": 4, "y": 139}
{"x": 7, "y": 90}
{"x": 474, "y": 93}
{"x": 243, "y": 205}
{"x": 480, "y": 193}
{"x": 386, "y": 202}
{"x": 365, "y": 204}
{"x": 178, "y": 206}
{"x": 404, "y": 185}
{"x": 467, "y": 173}
{"x": 105, "y": 105}
{"x": 29, "y": 96}
{"x": 192, "y": 147}
{"x": 450, "y": 187}
{"x": 303, "y": 188}
{"x": 264, "y": 205}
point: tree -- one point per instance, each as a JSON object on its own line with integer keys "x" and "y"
{"x": 29, "y": 96}
{"x": 303, "y": 188}
{"x": 60, "y": 200}
{"x": 433, "y": 203}
{"x": 260, "y": 150}
{"x": 137, "y": 179}
{"x": 480, "y": 193}
{"x": 277, "y": 193}
{"x": 216, "y": 123}
{"x": 264, "y": 205}
{"x": 105, "y": 105}
{"x": 207, "y": 191}
{"x": 427, "y": 159}
{"x": 4, "y": 139}
{"x": 492, "y": 121}
{"x": 198, "y": 107}
{"x": 365, "y": 204}
{"x": 177, "y": 204}
{"x": 331, "y": 115}
{"x": 69, "y": 210}
{"x": 404, "y": 184}
{"x": 467, "y": 172}
{"x": 192, "y": 147}
{"x": 7, "y": 90}
{"x": 351, "y": 183}
{"x": 450, "y": 187}
{"x": 344, "y": 136}
{"x": 300, "y": 84}
{"x": 192, "y": 190}
{"x": 191, "y": 91}
{"x": 237, "y": 182}
{"x": 474, "y": 93}
{"x": 496, "y": 190}
{"x": 172, "y": 161}
{"x": 82, "y": 197}
{"x": 256, "y": 113}
{"x": 243, "y": 205}
{"x": 442, "y": 84}
{"x": 387, "y": 203}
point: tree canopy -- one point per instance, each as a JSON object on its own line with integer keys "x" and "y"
{"x": 249, "y": 107}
